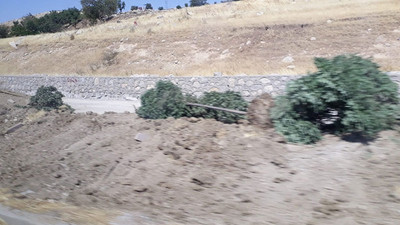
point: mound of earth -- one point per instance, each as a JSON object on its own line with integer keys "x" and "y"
{"x": 259, "y": 111}
{"x": 195, "y": 171}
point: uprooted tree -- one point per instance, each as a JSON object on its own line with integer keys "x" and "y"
{"x": 348, "y": 95}
{"x": 166, "y": 100}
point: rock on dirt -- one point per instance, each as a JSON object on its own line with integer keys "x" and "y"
{"x": 13, "y": 44}
{"x": 288, "y": 59}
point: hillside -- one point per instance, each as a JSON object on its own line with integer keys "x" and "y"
{"x": 246, "y": 37}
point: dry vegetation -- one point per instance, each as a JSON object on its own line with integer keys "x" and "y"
{"x": 246, "y": 37}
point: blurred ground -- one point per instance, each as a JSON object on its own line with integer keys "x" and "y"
{"x": 99, "y": 169}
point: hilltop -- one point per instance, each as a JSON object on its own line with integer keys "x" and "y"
{"x": 246, "y": 37}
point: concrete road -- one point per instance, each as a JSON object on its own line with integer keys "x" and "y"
{"x": 101, "y": 106}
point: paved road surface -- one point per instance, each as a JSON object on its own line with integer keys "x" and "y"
{"x": 101, "y": 106}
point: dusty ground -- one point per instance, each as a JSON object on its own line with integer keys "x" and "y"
{"x": 246, "y": 37}
{"x": 87, "y": 169}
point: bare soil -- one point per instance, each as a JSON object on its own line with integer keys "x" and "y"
{"x": 192, "y": 171}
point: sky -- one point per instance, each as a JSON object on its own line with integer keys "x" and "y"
{"x": 15, "y": 9}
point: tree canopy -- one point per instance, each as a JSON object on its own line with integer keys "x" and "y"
{"x": 98, "y": 9}
{"x": 194, "y": 3}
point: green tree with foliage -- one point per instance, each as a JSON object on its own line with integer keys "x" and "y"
{"x": 18, "y": 29}
{"x": 348, "y": 95}
{"x": 148, "y": 6}
{"x": 31, "y": 24}
{"x": 71, "y": 16}
{"x": 134, "y": 7}
{"x": 194, "y": 3}
{"x": 49, "y": 23}
{"x": 160, "y": 8}
{"x": 98, "y": 9}
{"x": 4, "y": 31}
{"x": 121, "y": 5}
{"x": 179, "y": 7}
{"x": 28, "y": 26}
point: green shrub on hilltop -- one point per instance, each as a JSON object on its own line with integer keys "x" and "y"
{"x": 49, "y": 23}
{"x": 4, "y": 31}
{"x": 98, "y": 9}
{"x": 348, "y": 95}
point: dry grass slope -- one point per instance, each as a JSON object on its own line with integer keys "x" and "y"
{"x": 246, "y": 37}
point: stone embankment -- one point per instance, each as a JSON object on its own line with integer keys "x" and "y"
{"x": 131, "y": 88}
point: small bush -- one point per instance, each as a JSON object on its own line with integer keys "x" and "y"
{"x": 348, "y": 95}
{"x": 229, "y": 100}
{"x": 166, "y": 100}
{"x": 4, "y": 31}
{"x": 47, "y": 98}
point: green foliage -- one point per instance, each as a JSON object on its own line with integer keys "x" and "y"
{"x": 194, "y": 111}
{"x": 49, "y": 23}
{"x": 98, "y": 9}
{"x": 229, "y": 100}
{"x": 46, "y": 98}
{"x": 166, "y": 100}
{"x": 28, "y": 26}
{"x": 160, "y": 8}
{"x": 186, "y": 5}
{"x": 179, "y": 7}
{"x": 55, "y": 21}
{"x": 348, "y": 95}
{"x": 4, "y": 31}
{"x": 148, "y": 6}
{"x": 121, "y": 5}
{"x": 134, "y": 7}
{"x": 18, "y": 29}
{"x": 194, "y": 3}
{"x": 298, "y": 131}
{"x": 289, "y": 124}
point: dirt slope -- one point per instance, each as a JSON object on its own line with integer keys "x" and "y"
{"x": 190, "y": 171}
{"x": 245, "y": 37}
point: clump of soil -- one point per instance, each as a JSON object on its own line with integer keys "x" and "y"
{"x": 198, "y": 171}
{"x": 259, "y": 111}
